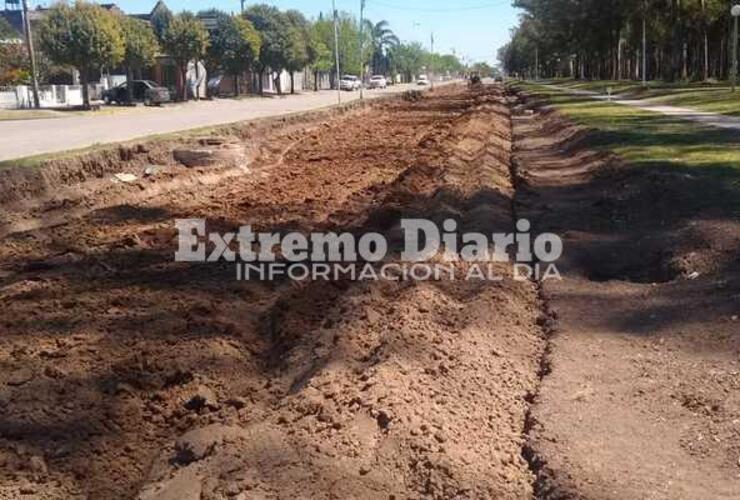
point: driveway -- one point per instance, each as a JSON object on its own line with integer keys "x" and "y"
{"x": 21, "y": 138}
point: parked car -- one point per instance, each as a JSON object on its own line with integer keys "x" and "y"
{"x": 377, "y": 82}
{"x": 349, "y": 82}
{"x": 145, "y": 91}
{"x": 422, "y": 80}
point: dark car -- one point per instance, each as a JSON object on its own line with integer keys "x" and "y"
{"x": 145, "y": 91}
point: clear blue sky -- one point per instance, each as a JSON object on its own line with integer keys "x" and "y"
{"x": 474, "y": 28}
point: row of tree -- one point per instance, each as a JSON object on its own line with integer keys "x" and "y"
{"x": 685, "y": 39}
{"x": 263, "y": 40}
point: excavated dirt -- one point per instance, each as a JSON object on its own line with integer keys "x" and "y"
{"x": 641, "y": 397}
{"x": 124, "y": 374}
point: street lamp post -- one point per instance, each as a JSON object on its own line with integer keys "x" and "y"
{"x": 31, "y": 55}
{"x": 362, "y": 52}
{"x": 336, "y": 51}
{"x": 431, "y": 60}
{"x": 735, "y": 11}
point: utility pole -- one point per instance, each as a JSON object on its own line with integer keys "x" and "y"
{"x": 31, "y": 55}
{"x": 644, "y": 43}
{"x": 362, "y": 52}
{"x": 735, "y": 11}
{"x": 431, "y": 60}
{"x": 336, "y": 51}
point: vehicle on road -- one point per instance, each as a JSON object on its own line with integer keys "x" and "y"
{"x": 422, "y": 80}
{"x": 145, "y": 91}
{"x": 377, "y": 82}
{"x": 349, "y": 82}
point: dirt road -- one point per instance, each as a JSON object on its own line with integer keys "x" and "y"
{"x": 125, "y": 374}
{"x": 21, "y": 138}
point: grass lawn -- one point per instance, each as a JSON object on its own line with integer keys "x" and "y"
{"x": 28, "y": 114}
{"x": 37, "y": 114}
{"x": 647, "y": 139}
{"x": 715, "y": 98}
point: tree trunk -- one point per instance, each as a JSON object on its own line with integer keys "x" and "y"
{"x": 260, "y": 84}
{"x": 292, "y": 83}
{"x": 129, "y": 86}
{"x": 85, "y": 90}
{"x": 316, "y": 81}
{"x": 183, "y": 82}
{"x": 706, "y": 56}
{"x": 236, "y": 85}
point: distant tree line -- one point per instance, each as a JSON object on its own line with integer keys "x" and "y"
{"x": 263, "y": 40}
{"x": 603, "y": 39}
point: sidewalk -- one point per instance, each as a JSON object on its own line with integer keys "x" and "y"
{"x": 22, "y": 138}
{"x": 703, "y": 117}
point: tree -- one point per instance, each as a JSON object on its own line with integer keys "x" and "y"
{"x": 85, "y": 36}
{"x": 185, "y": 40}
{"x": 141, "y": 48}
{"x": 274, "y": 29}
{"x": 161, "y": 19}
{"x": 7, "y": 32}
{"x": 322, "y": 56}
{"x": 234, "y": 47}
{"x": 381, "y": 40}
{"x": 349, "y": 44}
{"x": 483, "y": 69}
{"x": 299, "y": 53}
{"x": 408, "y": 59}
{"x": 686, "y": 39}
{"x": 14, "y": 67}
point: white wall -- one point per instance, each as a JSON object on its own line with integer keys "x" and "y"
{"x": 50, "y": 96}
{"x": 284, "y": 82}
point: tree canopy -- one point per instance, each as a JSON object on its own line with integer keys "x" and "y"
{"x": 161, "y": 19}
{"x": 689, "y": 39}
{"x": 140, "y": 41}
{"x": 234, "y": 45}
{"x": 381, "y": 40}
{"x": 274, "y": 29}
{"x": 300, "y": 49}
{"x": 185, "y": 40}
{"x": 84, "y": 36}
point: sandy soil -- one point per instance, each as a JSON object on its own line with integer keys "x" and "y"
{"x": 125, "y": 374}
{"x": 642, "y": 396}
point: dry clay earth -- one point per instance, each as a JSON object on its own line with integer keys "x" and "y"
{"x": 124, "y": 374}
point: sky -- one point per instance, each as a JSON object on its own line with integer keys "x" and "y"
{"x": 472, "y": 29}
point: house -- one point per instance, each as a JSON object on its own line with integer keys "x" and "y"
{"x": 164, "y": 72}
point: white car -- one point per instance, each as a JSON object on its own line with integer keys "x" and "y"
{"x": 422, "y": 80}
{"x": 377, "y": 82}
{"x": 349, "y": 82}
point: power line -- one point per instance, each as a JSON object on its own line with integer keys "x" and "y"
{"x": 449, "y": 9}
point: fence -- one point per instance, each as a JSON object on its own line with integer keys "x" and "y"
{"x": 50, "y": 96}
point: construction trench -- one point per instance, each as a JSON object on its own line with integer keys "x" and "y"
{"x": 126, "y": 374}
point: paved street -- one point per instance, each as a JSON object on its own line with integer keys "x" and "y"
{"x": 21, "y": 138}
{"x": 703, "y": 117}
